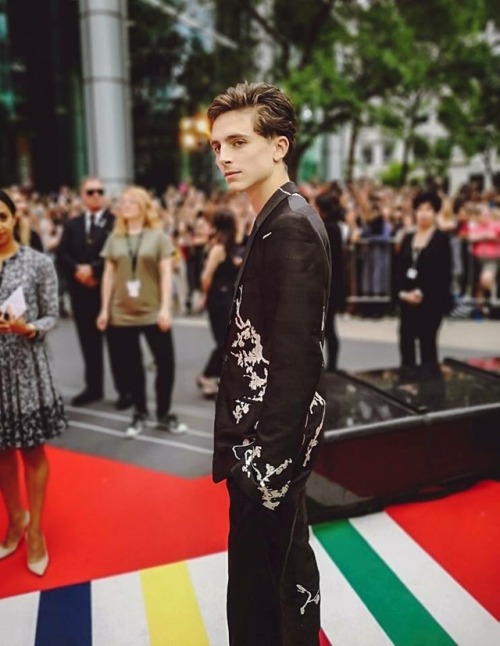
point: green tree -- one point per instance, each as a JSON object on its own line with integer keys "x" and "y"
{"x": 470, "y": 109}
{"x": 302, "y": 37}
{"x": 440, "y": 33}
{"x": 333, "y": 58}
{"x": 433, "y": 157}
{"x": 379, "y": 62}
{"x": 376, "y": 53}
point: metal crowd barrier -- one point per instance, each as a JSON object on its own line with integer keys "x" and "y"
{"x": 369, "y": 273}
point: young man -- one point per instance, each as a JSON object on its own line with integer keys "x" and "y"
{"x": 270, "y": 406}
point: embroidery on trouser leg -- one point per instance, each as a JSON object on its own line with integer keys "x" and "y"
{"x": 317, "y": 401}
{"x": 310, "y": 598}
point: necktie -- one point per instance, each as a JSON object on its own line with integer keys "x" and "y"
{"x": 92, "y": 228}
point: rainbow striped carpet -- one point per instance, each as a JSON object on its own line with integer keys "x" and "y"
{"x": 425, "y": 574}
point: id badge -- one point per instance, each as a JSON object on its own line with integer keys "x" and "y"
{"x": 412, "y": 273}
{"x": 133, "y": 287}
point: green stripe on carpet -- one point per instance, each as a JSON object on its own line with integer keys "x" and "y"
{"x": 401, "y": 616}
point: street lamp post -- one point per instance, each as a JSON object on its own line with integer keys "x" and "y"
{"x": 193, "y": 138}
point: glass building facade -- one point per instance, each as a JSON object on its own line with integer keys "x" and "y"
{"x": 102, "y": 86}
{"x": 45, "y": 138}
{"x": 42, "y": 142}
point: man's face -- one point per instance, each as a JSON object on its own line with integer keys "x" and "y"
{"x": 245, "y": 158}
{"x": 93, "y": 196}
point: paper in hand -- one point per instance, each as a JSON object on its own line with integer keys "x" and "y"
{"x": 15, "y": 303}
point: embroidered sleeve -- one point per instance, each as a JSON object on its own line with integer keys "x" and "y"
{"x": 296, "y": 278}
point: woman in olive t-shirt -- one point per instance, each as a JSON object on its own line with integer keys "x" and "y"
{"x": 136, "y": 295}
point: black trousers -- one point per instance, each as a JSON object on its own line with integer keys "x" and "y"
{"x": 86, "y": 303}
{"x": 194, "y": 267}
{"x": 420, "y": 326}
{"x": 219, "y": 310}
{"x": 273, "y": 590}
{"x": 124, "y": 343}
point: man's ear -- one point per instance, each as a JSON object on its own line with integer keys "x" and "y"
{"x": 281, "y": 148}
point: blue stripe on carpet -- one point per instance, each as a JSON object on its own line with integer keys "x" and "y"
{"x": 64, "y": 617}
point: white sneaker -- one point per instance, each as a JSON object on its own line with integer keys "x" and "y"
{"x": 136, "y": 427}
{"x": 171, "y": 424}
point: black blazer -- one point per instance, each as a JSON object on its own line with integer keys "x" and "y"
{"x": 433, "y": 278}
{"x": 75, "y": 249}
{"x": 270, "y": 407}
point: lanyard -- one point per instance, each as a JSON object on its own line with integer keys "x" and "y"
{"x": 134, "y": 254}
{"x": 415, "y": 253}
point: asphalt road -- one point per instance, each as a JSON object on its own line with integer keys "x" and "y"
{"x": 98, "y": 429}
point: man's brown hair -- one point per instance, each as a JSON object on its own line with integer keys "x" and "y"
{"x": 274, "y": 113}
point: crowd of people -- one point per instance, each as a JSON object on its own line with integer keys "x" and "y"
{"x": 373, "y": 220}
{"x": 199, "y": 241}
{"x": 366, "y": 222}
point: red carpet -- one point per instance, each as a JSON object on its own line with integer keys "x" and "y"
{"x": 105, "y": 517}
{"x": 462, "y": 533}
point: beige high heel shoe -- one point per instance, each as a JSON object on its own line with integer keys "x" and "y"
{"x": 7, "y": 551}
{"x": 39, "y": 567}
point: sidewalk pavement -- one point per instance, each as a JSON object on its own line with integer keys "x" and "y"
{"x": 480, "y": 336}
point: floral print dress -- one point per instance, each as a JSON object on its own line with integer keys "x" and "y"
{"x": 30, "y": 409}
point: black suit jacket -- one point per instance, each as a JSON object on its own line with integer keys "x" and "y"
{"x": 75, "y": 248}
{"x": 433, "y": 278}
{"x": 270, "y": 407}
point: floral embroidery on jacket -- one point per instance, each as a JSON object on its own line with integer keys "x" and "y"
{"x": 248, "y": 351}
{"x": 270, "y": 497}
{"x": 239, "y": 449}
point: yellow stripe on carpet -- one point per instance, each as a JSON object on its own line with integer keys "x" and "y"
{"x": 172, "y": 610}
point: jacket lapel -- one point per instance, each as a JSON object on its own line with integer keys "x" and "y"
{"x": 276, "y": 198}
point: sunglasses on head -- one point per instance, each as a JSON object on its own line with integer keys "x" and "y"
{"x": 92, "y": 191}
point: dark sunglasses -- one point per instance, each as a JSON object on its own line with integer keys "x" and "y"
{"x": 91, "y": 191}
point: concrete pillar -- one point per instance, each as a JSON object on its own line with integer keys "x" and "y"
{"x": 335, "y": 157}
{"x": 103, "y": 26}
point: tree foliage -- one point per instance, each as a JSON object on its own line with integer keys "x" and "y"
{"x": 380, "y": 62}
{"x": 470, "y": 110}
{"x": 359, "y": 62}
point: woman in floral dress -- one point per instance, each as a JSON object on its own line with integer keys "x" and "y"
{"x": 30, "y": 410}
